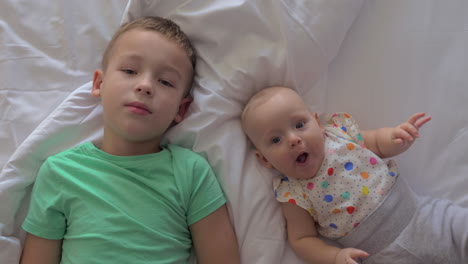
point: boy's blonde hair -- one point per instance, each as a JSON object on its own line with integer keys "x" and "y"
{"x": 165, "y": 27}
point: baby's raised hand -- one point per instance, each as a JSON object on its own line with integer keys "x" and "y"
{"x": 405, "y": 134}
{"x": 349, "y": 256}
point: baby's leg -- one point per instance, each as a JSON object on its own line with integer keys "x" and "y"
{"x": 445, "y": 224}
{"x": 438, "y": 233}
{"x": 385, "y": 224}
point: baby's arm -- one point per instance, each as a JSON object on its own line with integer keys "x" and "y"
{"x": 390, "y": 141}
{"x": 214, "y": 239}
{"x": 39, "y": 250}
{"x": 303, "y": 237}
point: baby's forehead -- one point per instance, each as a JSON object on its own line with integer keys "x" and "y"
{"x": 263, "y": 97}
{"x": 268, "y": 98}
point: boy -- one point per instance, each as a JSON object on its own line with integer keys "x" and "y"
{"x": 336, "y": 185}
{"x": 129, "y": 199}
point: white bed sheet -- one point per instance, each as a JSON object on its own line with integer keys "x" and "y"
{"x": 399, "y": 57}
{"x": 402, "y": 57}
{"x": 47, "y": 49}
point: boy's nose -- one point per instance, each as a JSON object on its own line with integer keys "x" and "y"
{"x": 144, "y": 91}
{"x": 144, "y": 88}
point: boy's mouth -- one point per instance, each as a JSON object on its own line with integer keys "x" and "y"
{"x": 139, "y": 108}
{"x": 302, "y": 158}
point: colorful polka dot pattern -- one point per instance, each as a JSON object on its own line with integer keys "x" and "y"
{"x": 351, "y": 182}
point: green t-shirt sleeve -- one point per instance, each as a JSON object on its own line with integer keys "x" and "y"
{"x": 45, "y": 217}
{"x": 206, "y": 194}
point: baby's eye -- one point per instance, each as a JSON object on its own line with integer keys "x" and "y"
{"x": 129, "y": 71}
{"x": 275, "y": 140}
{"x": 166, "y": 83}
{"x": 300, "y": 125}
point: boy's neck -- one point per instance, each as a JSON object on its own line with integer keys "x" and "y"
{"x": 122, "y": 147}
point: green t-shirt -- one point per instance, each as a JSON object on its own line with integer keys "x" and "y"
{"x": 114, "y": 209}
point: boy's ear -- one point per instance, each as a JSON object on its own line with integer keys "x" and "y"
{"x": 183, "y": 107}
{"x": 97, "y": 83}
{"x": 263, "y": 160}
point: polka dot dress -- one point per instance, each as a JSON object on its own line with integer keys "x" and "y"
{"x": 350, "y": 184}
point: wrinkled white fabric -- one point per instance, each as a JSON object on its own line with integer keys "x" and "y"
{"x": 399, "y": 57}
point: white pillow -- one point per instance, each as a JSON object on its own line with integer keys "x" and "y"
{"x": 245, "y": 46}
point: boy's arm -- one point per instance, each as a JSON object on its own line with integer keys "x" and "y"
{"x": 214, "y": 239}
{"x": 303, "y": 237}
{"x": 391, "y": 141}
{"x": 38, "y": 250}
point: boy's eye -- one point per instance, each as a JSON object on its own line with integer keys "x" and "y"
{"x": 129, "y": 71}
{"x": 166, "y": 83}
{"x": 275, "y": 140}
{"x": 300, "y": 125}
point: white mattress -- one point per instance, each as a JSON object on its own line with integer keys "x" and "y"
{"x": 378, "y": 60}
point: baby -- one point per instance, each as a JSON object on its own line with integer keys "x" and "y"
{"x": 336, "y": 185}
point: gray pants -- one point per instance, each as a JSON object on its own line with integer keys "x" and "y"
{"x": 406, "y": 228}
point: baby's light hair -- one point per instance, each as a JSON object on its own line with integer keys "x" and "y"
{"x": 257, "y": 99}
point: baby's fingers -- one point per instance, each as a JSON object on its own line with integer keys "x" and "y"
{"x": 405, "y": 132}
{"x": 350, "y": 261}
{"x": 350, "y": 255}
{"x": 421, "y": 122}
{"x": 419, "y": 119}
{"x": 356, "y": 254}
{"x": 398, "y": 141}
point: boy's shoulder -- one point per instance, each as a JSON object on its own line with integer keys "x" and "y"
{"x": 179, "y": 149}
{"x": 68, "y": 157}
{"x": 179, "y": 152}
{"x": 70, "y": 151}
{"x": 186, "y": 159}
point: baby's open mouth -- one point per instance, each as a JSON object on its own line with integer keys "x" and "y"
{"x": 302, "y": 158}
